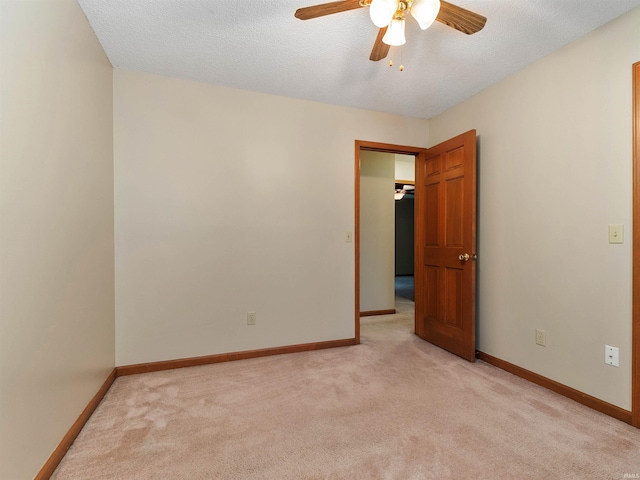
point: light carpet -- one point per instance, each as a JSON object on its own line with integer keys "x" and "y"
{"x": 394, "y": 407}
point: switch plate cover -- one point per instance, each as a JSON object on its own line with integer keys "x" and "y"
{"x": 616, "y": 234}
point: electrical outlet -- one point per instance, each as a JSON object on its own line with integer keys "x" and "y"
{"x": 612, "y": 356}
{"x": 540, "y": 338}
{"x": 251, "y": 318}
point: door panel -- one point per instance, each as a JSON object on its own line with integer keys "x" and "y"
{"x": 430, "y": 296}
{"x": 453, "y": 297}
{"x": 453, "y": 212}
{"x": 430, "y": 217}
{"x": 446, "y": 229}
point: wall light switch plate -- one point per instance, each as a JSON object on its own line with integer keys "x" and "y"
{"x": 616, "y": 234}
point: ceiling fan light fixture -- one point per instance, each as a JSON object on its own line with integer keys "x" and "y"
{"x": 381, "y": 12}
{"x": 425, "y": 12}
{"x": 395, "y": 33}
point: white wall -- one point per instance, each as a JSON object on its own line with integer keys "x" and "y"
{"x": 230, "y": 201}
{"x": 377, "y": 231}
{"x": 405, "y": 167}
{"x": 56, "y": 227}
{"x": 555, "y": 169}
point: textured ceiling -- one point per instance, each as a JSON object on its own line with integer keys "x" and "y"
{"x": 258, "y": 45}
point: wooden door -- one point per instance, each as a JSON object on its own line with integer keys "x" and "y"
{"x": 445, "y": 274}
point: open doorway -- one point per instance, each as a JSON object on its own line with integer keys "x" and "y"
{"x": 386, "y": 231}
{"x": 381, "y": 276}
{"x": 444, "y": 241}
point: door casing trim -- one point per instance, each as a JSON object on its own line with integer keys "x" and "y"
{"x": 635, "y": 342}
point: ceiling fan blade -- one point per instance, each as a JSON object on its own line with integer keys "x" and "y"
{"x": 380, "y": 49}
{"x": 326, "y": 9}
{"x": 460, "y": 18}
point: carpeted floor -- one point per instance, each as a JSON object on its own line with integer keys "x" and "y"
{"x": 393, "y": 407}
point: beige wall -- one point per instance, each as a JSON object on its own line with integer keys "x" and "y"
{"x": 405, "y": 167}
{"x": 230, "y": 201}
{"x": 56, "y": 227}
{"x": 554, "y": 171}
{"x": 377, "y": 231}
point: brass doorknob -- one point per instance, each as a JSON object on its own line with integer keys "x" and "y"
{"x": 464, "y": 257}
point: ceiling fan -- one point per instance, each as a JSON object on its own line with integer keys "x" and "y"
{"x": 388, "y": 15}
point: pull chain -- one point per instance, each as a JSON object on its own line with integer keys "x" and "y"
{"x": 391, "y": 60}
{"x": 401, "y": 65}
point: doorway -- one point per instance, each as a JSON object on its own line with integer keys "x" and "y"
{"x": 387, "y": 183}
{"x": 361, "y": 146}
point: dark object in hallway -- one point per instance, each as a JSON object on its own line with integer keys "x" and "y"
{"x": 404, "y": 235}
{"x": 404, "y": 287}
